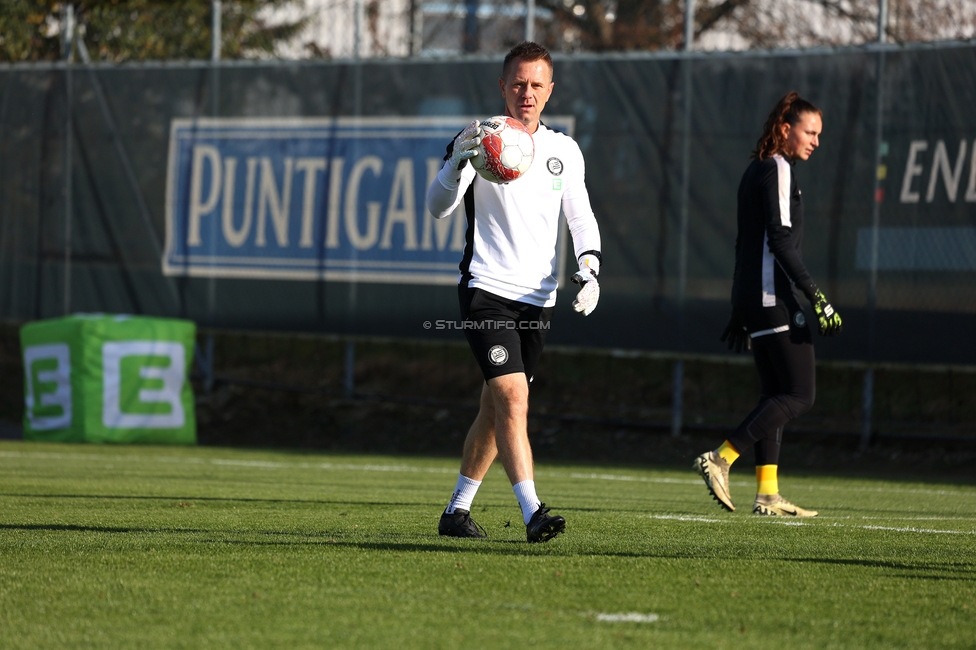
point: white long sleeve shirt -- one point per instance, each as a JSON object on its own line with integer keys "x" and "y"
{"x": 510, "y": 243}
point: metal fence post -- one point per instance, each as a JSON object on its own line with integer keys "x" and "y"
{"x": 678, "y": 379}
{"x": 416, "y": 28}
{"x": 880, "y": 173}
{"x": 350, "y": 379}
{"x": 69, "y": 42}
{"x": 882, "y": 20}
{"x": 867, "y": 409}
{"x": 205, "y": 361}
{"x": 216, "y": 34}
{"x": 215, "y": 27}
{"x": 470, "y": 43}
{"x": 677, "y": 397}
{"x": 357, "y": 37}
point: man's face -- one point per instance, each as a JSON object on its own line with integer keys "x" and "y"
{"x": 804, "y": 136}
{"x": 526, "y": 89}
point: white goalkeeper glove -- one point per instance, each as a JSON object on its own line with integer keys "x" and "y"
{"x": 466, "y": 145}
{"x": 589, "y": 295}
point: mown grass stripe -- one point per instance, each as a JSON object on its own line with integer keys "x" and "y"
{"x": 406, "y": 468}
{"x": 819, "y": 521}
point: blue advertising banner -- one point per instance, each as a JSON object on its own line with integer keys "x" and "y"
{"x": 312, "y": 198}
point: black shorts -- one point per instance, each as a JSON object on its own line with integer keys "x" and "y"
{"x": 787, "y": 315}
{"x": 506, "y": 336}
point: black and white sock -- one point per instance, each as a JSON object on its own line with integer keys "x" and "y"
{"x": 464, "y": 493}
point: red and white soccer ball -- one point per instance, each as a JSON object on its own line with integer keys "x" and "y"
{"x": 506, "y": 150}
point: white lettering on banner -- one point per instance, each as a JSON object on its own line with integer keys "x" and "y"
{"x": 278, "y": 203}
{"x": 274, "y": 199}
{"x": 237, "y": 236}
{"x": 172, "y": 377}
{"x": 401, "y": 208}
{"x": 311, "y": 167}
{"x": 332, "y": 221}
{"x": 333, "y": 199}
{"x": 949, "y": 176}
{"x": 971, "y": 187}
{"x": 359, "y": 240}
{"x": 197, "y": 208}
{"x": 943, "y": 167}
{"x": 912, "y": 170}
{"x": 60, "y": 376}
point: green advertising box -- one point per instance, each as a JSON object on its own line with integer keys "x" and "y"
{"x": 109, "y": 378}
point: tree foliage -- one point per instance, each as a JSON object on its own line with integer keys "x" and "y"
{"x": 604, "y": 25}
{"x": 127, "y": 30}
{"x": 123, "y": 30}
{"x": 601, "y": 25}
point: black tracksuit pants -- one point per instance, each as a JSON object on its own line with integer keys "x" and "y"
{"x": 788, "y": 378}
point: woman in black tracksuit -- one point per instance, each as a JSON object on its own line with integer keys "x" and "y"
{"x": 765, "y": 314}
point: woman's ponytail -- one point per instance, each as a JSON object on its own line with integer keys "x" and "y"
{"x": 787, "y": 111}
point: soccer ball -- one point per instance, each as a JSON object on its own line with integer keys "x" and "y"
{"x": 506, "y": 150}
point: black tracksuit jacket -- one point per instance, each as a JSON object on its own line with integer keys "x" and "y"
{"x": 768, "y": 259}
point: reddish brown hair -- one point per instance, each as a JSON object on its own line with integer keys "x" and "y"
{"x": 788, "y": 110}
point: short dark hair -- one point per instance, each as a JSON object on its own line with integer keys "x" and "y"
{"x": 526, "y": 51}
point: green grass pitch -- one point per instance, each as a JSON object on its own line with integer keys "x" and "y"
{"x": 151, "y": 547}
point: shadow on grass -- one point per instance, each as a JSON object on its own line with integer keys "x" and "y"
{"x": 190, "y": 499}
{"x": 435, "y": 509}
{"x": 955, "y": 571}
{"x": 331, "y": 539}
{"x": 966, "y": 570}
{"x": 74, "y": 528}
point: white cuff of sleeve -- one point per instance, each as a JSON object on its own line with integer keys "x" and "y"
{"x": 591, "y": 263}
{"x": 449, "y": 177}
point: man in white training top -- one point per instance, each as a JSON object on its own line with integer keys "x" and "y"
{"x": 507, "y": 284}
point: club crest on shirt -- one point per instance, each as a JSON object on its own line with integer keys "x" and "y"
{"x": 498, "y": 355}
{"x": 555, "y": 166}
{"x": 799, "y": 319}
